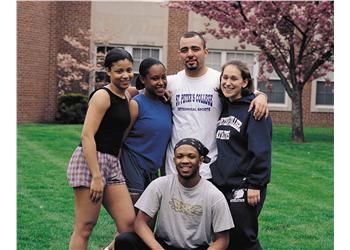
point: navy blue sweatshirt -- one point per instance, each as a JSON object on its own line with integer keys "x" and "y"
{"x": 244, "y": 147}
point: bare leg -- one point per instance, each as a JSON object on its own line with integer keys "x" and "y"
{"x": 134, "y": 198}
{"x": 86, "y": 215}
{"x": 118, "y": 204}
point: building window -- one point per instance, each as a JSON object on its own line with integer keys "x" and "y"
{"x": 247, "y": 58}
{"x": 138, "y": 53}
{"x": 214, "y": 60}
{"x": 142, "y": 53}
{"x": 324, "y": 93}
{"x": 101, "y": 78}
{"x": 278, "y": 99}
{"x": 217, "y": 58}
{"x": 274, "y": 90}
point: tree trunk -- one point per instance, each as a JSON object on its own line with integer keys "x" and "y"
{"x": 297, "y": 116}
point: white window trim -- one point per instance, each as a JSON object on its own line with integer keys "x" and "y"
{"x": 222, "y": 56}
{"x": 255, "y": 72}
{"x": 318, "y": 108}
{"x": 128, "y": 48}
{"x": 224, "y": 60}
{"x": 286, "y": 106}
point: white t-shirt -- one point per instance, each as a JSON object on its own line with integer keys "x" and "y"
{"x": 196, "y": 109}
{"x": 188, "y": 217}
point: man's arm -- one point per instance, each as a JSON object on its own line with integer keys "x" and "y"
{"x": 220, "y": 241}
{"x": 141, "y": 227}
{"x": 260, "y": 105}
{"x": 132, "y": 91}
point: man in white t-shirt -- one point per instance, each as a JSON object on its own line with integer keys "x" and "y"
{"x": 195, "y": 102}
{"x": 192, "y": 212}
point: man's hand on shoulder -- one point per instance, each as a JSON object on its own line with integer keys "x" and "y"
{"x": 260, "y": 106}
{"x": 167, "y": 96}
{"x": 132, "y": 91}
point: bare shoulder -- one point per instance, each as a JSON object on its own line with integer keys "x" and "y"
{"x": 134, "y": 109}
{"x": 133, "y": 104}
{"x": 100, "y": 99}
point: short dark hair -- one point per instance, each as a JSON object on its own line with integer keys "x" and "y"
{"x": 245, "y": 73}
{"x": 116, "y": 55}
{"x": 190, "y": 34}
{"x": 145, "y": 65}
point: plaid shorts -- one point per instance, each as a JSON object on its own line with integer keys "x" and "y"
{"x": 79, "y": 175}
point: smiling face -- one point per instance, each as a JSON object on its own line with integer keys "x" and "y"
{"x": 187, "y": 161}
{"x": 121, "y": 73}
{"x": 192, "y": 53}
{"x": 231, "y": 82}
{"x": 155, "y": 81}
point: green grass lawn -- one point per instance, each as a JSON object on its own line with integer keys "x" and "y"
{"x": 298, "y": 212}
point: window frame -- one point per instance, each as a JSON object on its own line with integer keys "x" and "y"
{"x": 323, "y": 108}
{"x": 128, "y": 48}
{"x": 287, "y": 105}
{"x": 255, "y": 68}
{"x": 222, "y": 58}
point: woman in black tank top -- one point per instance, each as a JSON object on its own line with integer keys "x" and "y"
{"x": 94, "y": 171}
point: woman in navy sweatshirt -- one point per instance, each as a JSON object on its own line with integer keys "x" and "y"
{"x": 243, "y": 166}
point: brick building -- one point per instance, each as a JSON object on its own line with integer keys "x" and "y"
{"x": 149, "y": 30}
{"x": 40, "y": 29}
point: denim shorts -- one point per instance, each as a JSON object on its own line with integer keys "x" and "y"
{"x": 137, "y": 178}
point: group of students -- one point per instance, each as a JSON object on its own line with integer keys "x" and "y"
{"x": 212, "y": 139}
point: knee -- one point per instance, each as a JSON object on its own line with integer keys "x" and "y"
{"x": 85, "y": 229}
{"x": 127, "y": 225}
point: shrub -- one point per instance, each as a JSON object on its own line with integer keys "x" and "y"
{"x": 72, "y": 108}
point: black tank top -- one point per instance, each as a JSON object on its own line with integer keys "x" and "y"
{"x": 116, "y": 119}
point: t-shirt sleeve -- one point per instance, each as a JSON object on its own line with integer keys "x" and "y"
{"x": 149, "y": 202}
{"x": 222, "y": 219}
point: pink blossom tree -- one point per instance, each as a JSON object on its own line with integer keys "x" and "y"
{"x": 296, "y": 40}
{"x": 76, "y": 69}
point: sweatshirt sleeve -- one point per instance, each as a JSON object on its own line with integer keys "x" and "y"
{"x": 259, "y": 148}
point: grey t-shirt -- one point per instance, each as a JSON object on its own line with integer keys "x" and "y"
{"x": 187, "y": 217}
